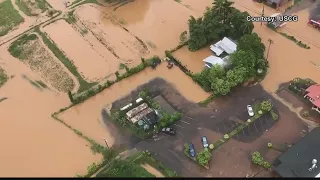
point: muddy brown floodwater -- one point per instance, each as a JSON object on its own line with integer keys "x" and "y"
{"x": 32, "y": 143}
{"x": 88, "y": 61}
{"x": 87, "y": 116}
{"x": 123, "y": 46}
{"x": 162, "y": 25}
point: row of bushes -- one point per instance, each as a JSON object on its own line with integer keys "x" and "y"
{"x": 99, "y": 88}
{"x": 257, "y": 159}
{"x": 292, "y": 38}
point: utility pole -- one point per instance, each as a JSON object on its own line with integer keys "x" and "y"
{"x": 106, "y": 142}
{"x": 270, "y": 42}
{"x": 262, "y": 13}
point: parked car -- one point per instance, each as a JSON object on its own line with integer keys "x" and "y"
{"x": 169, "y": 131}
{"x": 204, "y": 142}
{"x": 250, "y": 110}
{"x": 192, "y": 151}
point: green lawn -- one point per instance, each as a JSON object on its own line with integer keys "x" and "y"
{"x": 9, "y": 17}
{"x": 25, "y": 6}
{"x": 3, "y": 77}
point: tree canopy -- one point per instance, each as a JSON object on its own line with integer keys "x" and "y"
{"x": 219, "y": 21}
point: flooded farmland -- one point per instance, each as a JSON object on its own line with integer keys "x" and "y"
{"x": 123, "y": 46}
{"x": 87, "y": 116}
{"x": 34, "y": 144}
{"x": 87, "y": 60}
{"x": 158, "y": 23}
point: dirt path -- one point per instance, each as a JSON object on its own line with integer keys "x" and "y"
{"x": 152, "y": 170}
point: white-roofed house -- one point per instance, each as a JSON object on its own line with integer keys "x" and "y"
{"x": 225, "y": 45}
{"x": 214, "y": 60}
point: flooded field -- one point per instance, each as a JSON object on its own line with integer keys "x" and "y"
{"x": 31, "y": 51}
{"x": 123, "y": 46}
{"x": 158, "y": 23}
{"x": 90, "y": 64}
{"x": 32, "y": 143}
{"x": 87, "y": 116}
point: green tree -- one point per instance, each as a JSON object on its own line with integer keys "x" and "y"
{"x": 236, "y": 76}
{"x": 257, "y": 158}
{"x": 183, "y": 37}
{"x": 244, "y": 59}
{"x": 252, "y": 42}
{"x": 216, "y": 71}
{"x": 239, "y": 24}
{"x": 214, "y": 30}
{"x": 266, "y": 105}
{"x": 197, "y": 36}
{"x": 223, "y": 9}
{"x": 203, "y": 79}
{"x": 220, "y": 86}
{"x": 203, "y": 157}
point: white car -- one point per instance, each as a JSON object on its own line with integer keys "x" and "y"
{"x": 250, "y": 110}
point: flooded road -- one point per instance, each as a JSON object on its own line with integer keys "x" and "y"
{"x": 88, "y": 61}
{"x": 87, "y": 116}
{"x": 32, "y": 143}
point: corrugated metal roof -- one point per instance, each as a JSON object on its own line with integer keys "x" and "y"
{"x": 136, "y": 110}
{"x": 227, "y": 45}
{"x": 214, "y": 60}
{"x": 216, "y": 49}
{"x": 140, "y": 115}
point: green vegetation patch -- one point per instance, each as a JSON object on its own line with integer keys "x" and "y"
{"x": 9, "y": 17}
{"x": 3, "y": 77}
{"x": 32, "y": 7}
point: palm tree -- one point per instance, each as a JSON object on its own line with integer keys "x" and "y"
{"x": 223, "y": 7}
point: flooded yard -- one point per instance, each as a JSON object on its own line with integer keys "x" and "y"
{"x": 122, "y": 45}
{"x": 32, "y": 143}
{"x": 87, "y": 116}
{"x": 88, "y": 61}
{"x": 193, "y": 60}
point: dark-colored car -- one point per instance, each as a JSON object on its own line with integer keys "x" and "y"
{"x": 204, "y": 141}
{"x": 192, "y": 151}
{"x": 169, "y": 131}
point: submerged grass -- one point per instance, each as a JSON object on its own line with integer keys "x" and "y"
{"x": 84, "y": 85}
{"x": 25, "y": 6}
{"x": 3, "y": 77}
{"x": 2, "y": 99}
{"x": 9, "y": 17}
